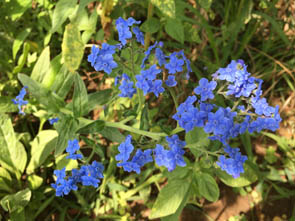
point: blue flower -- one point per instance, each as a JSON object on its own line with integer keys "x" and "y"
{"x": 126, "y": 87}
{"x": 162, "y": 156}
{"x": 262, "y": 108}
{"x": 205, "y": 89}
{"x": 171, "y": 82}
{"x": 234, "y": 164}
{"x": 160, "y": 56}
{"x": 125, "y": 149}
{"x": 102, "y": 59}
{"x": 147, "y": 54}
{"x": 123, "y": 28}
{"x": 73, "y": 146}
{"x": 19, "y": 99}
{"x": 147, "y": 81}
{"x": 139, "y": 35}
{"x": 130, "y": 166}
{"x": 142, "y": 157}
{"x": 53, "y": 120}
{"x": 175, "y": 64}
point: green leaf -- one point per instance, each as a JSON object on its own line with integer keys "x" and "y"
{"x": 170, "y": 198}
{"x": 23, "y": 58}
{"x": 55, "y": 66}
{"x": 16, "y": 8}
{"x": 12, "y": 153}
{"x": 174, "y": 29}
{"x": 92, "y": 127}
{"x": 5, "y": 180}
{"x": 6, "y": 105}
{"x": 19, "y": 41}
{"x": 62, "y": 161}
{"x": 50, "y": 100}
{"x": 42, "y": 66}
{"x": 41, "y": 147}
{"x": 167, "y": 7}
{"x": 80, "y": 97}
{"x": 151, "y": 25}
{"x": 72, "y": 47}
{"x": 18, "y": 215}
{"x": 35, "y": 181}
{"x": 66, "y": 128}
{"x": 63, "y": 9}
{"x": 98, "y": 98}
{"x": 63, "y": 82}
{"x": 112, "y": 134}
{"x": 246, "y": 178}
{"x": 16, "y": 201}
{"x": 208, "y": 187}
{"x": 197, "y": 139}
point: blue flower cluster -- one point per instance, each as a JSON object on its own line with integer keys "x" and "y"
{"x": 147, "y": 81}
{"x": 73, "y": 146}
{"x": 87, "y": 175}
{"x": 234, "y": 164}
{"x": 53, "y": 120}
{"x": 102, "y": 59}
{"x": 126, "y": 87}
{"x": 19, "y": 100}
{"x": 168, "y": 158}
{"x": 225, "y": 123}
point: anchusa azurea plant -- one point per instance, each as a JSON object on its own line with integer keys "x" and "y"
{"x": 138, "y": 72}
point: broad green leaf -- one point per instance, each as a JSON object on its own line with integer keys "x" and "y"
{"x": 112, "y": 134}
{"x": 167, "y": 7}
{"x": 16, "y": 201}
{"x": 7, "y": 143}
{"x": 18, "y": 215}
{"x": 191, "y": 33}
{"x": 35, "y": 181}
{"x": 176, "y": 215}
{"x": 63, "y": 9}
{"x": 16, "y": 8}
{"x": 66, "y": 128}
{"x": 55, "y": 66}
{"x": 174, "y": 29}
{"x": 41, "y": 147}
{"x": 72, "y": 47}
{"x": 98, "y": 98}
{"x": 6, "y": 105}
{"x": 246, "y": 178}
{"x": 80, "y": 97}
{"x": 19, "y": 157}
{"x": 42, "y": 66}
{"x": 197, "y": 139}
{"x": 62, "y": 161}
{"x": 151, "y": 25}
{"x": 170, "y": 198}
{"x": 5, "y": 180}
{"x": 50, "y": 100}
{"x": 208, "y": 187}
{"x": 19, "y": 41}
{"x": 63, "y": 82}
{"x": 92, "y": 127}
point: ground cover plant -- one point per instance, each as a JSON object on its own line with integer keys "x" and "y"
{"x": 150, "y": 110}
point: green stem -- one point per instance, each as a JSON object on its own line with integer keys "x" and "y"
{"x": 139, "y": 92}
{"x": 147, "y": 36}
{"x": 42, "y": 121}
{"x": 194, "y": 146}
{"x": 155, "y": 136}
{"x": 172, "y": 93}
